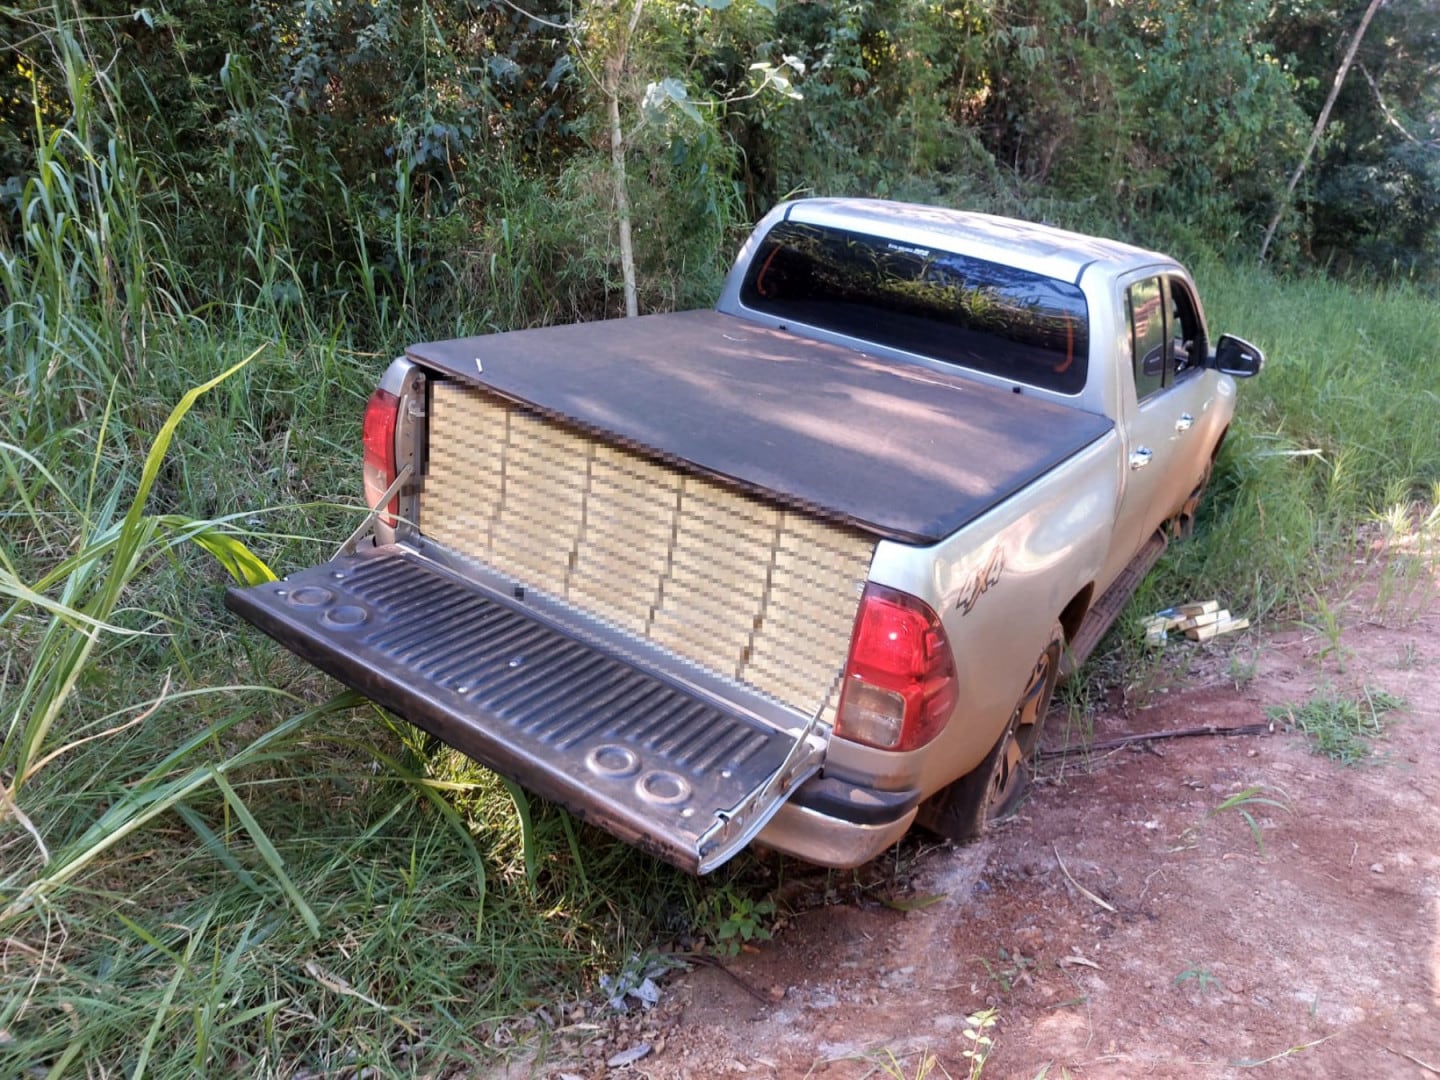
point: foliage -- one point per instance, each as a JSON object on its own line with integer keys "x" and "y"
{"x": 190, "y": 857}
{"x": 1221, "y": 126}
{"x": 877, "y": 113}
{"x": 1008, "y": 970}
{"x": 1254, "y": 795}
{"x": 979, "y": 1042}
{"x": 1338, "y": 426}
{"x": 348, "y": 150}
{"x": 1375, "y": 195}
{"x": 1203, "y": 978}
{"x": 732, "y": 919}
{"x": 1341, "y": 726}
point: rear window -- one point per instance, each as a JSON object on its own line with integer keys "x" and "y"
{"x": 965, "y": 311}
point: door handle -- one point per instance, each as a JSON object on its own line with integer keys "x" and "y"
{"x": 1140, "y": 457}
{"x": 1183, "y": 424}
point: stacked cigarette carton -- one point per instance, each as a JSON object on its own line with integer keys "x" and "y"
{"x": 1198, "y": 622}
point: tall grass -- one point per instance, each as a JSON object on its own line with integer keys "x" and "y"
{"x": 1341, "y": 427}
{"x": 89, "y": 275}
{"x": 209, "y": 860}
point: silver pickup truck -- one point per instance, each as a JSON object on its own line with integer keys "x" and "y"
{"x": 802, "y": 570}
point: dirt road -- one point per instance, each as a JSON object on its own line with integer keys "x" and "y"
{"x": 1200, "y": 907}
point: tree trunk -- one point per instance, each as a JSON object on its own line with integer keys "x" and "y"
{"x": 1320, "y": 123}
{"x": 614, "y": 77}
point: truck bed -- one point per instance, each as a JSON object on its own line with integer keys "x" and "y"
{"x": 905, "y": 453}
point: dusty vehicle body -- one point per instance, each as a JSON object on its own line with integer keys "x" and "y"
{"x": 799, "y": 570}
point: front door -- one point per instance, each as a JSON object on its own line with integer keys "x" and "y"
{"x": 1165, "y": 396}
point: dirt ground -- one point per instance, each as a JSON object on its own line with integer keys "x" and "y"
{"x": 1127, "y": 923}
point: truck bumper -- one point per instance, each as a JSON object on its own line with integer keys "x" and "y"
{"x": 831, "y": 823}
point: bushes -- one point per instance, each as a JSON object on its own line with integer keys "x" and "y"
{"x": 297, "y": 155}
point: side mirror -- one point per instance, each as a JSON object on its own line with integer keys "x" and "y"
{"x": 1236, "y": 356}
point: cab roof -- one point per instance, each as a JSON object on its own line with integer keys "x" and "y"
{"x": 1042, "y": 249}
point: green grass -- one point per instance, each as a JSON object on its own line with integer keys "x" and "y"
{"x": 1201, "y": 977}
{"x": 245, "y": 871}
{"x": 1338, "y": 432}
{"x": 1343, "y": 727}
{"x": 1341, "y": 425}
{"x": 1254, "y": 796}
{"x": 210, "y": 861}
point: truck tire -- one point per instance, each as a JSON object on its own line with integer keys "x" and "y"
{"x": 1182, "y": 525}
{"x": 962, "y": 810}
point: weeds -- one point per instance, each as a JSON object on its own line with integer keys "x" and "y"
{"x": 1241, "y": 671}
{"x": 1255, "y": 795}
{"x": 636, "y": 979}
{"x": 185, "y": 854}
{"x": 1076, "y": 696}
{"x": 89, "y": 277}
{"x": 1341, "y": 727}
{"x": 1202, "y": 977}
{"x": 731, "y": 919}
{"x": 1409, "y": 546}
{"x": 979, "y": 1041}
{"x": 1324, "y": 621}
{"x": 1008, "y": 970}
{"x": 885, "y": 1062}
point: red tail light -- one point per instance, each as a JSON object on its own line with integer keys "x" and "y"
{"x": 900, "y": 685}
{"x": 379, "y": 437}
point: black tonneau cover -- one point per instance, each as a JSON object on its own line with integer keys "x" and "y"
{"x": 901, "y": 451}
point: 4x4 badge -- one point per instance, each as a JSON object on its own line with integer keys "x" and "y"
{"x": 987, "y": 576}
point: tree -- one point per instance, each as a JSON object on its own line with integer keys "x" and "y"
{"x": 615, "y": 65}
{"x": 1320, "y": 123}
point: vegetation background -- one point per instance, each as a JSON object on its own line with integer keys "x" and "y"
{"x": 218, "y": 220}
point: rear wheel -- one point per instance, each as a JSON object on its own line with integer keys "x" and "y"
{"x": 995, "y": 788}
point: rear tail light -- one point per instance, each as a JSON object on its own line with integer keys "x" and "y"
{"x": 900, "y": 684}
{"x": 381, "y": 412}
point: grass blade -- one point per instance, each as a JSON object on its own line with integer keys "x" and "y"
{"x": 267, "y": 850}
{"x": 527, "y": 827}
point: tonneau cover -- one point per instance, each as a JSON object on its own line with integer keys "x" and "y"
{"x": 904, "y": 452}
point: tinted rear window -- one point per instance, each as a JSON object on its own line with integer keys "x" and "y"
{"x": 955, "y": 308}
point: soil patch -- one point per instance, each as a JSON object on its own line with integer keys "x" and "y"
{"x": 1203, "y": 907}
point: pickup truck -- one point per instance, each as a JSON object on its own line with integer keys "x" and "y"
{"x": 802, "y": 570}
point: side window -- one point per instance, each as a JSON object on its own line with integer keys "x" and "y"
{"x": 1187, "y": 335}
{"x": 1145, "y": 302}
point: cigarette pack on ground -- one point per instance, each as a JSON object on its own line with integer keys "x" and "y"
{"x": 1215, "y": 629}
{"x": 1168, "y": 619}
{"x": 1195, "y": 622}
{"x": 1199, "y": 621}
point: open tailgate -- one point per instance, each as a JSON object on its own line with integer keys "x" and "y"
{"x": 662, "y": 761}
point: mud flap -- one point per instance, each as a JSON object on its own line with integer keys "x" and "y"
{"x": 660, "y": 761}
